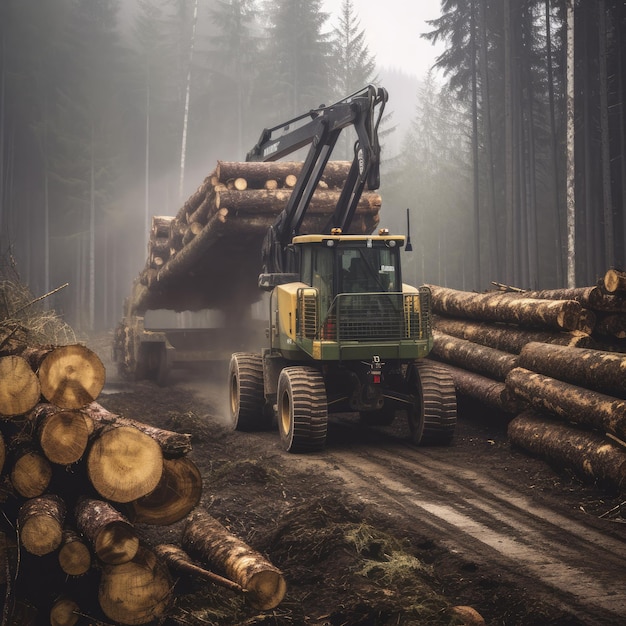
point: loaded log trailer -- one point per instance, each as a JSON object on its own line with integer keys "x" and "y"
{"x": 345, "y": 333}
{"x": 342, "y": 332}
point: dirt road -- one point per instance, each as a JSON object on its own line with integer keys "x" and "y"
{"x": 478, "y": 523}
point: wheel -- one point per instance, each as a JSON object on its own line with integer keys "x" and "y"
{"x": 302, "y": 409}
{"x": 247, "y": 399}
{"x": 380, "y": 417}
{"x": 432, "y": 420}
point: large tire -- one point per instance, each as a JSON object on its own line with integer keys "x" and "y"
{"x": 247, "y": 399}
{"x": 302, "y": 409}
{"x": 432, "y": 420}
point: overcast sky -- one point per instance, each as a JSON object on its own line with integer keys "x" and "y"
{"x": 393, "y": 29}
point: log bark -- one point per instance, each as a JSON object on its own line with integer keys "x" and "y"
{"x": 256, "y": 173}
{"x": 471, "y": 356}
{"x": 63, "y": 434}
{"x": 172, "y": 444}
{"x": 611, "y": 325}
{"x": 207, "y": 538}
{"x": 136, "y": 592}
{"x": 74, "y": 554}
{"x": 594, "y": 369}
{"x": 40, "y": 523}
{"x": 31, "y": 472}
{"x": 614, "y": 280}
{"x": 192, "y": 203}
{"x": 570, "y": 402}
{"x": 71, "y": 376}
{"x": 176, "y": 495}
{"x": 588, "y": 454}
{"x": 485, "y": 390}
{"x": 19, "y": 387}
{"x": 264, "y": 201}
{"x": 112, "y": 537}
{"x": 124, "y": 464}
{"x": 511, "y": 308}
{"x": 507, "y": 337}
{"x": 179, "y": 561}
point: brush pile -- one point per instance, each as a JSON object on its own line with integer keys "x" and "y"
{"x": 554, "y": 360}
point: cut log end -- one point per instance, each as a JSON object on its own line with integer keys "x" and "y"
{"x": 124, "y": 464}
{"x": 71, "y": 376}
{"x": 266, "y": 589}
{"x": 19, "y": 386}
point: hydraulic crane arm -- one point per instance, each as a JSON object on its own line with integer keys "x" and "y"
{"x": 363, "y": 110}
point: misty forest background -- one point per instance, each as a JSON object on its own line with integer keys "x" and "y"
{"x": 113, "y": 111}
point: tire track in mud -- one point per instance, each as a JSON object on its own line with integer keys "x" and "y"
{"x": 565, "y": 561}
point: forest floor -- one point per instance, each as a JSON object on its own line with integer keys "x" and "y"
{"x": 373, "y": 531}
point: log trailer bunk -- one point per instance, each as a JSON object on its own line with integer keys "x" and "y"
{"x": 345, "y": 334}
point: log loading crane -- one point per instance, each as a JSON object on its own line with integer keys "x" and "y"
{"x": 345, "y": 334}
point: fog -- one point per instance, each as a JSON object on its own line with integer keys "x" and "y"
{"x": 99, "y": 99}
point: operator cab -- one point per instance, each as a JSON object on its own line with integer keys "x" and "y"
{"x": 337, "y": 263}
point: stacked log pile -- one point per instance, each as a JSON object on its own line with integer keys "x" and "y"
{"x": 552, "y": 362}
{"x": 77, "y": 484}
{"x": 222, "y": 225}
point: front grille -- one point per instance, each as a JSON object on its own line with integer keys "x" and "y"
{"x": 382, "y": 316}
{"x": 366, "y": 316}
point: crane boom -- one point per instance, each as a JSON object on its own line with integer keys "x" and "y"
{"x": 363, "y": 110}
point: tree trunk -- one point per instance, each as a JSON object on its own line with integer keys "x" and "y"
{"x": 508, "y": 338}
{"x": 40, "y": 523}
{"x": 472, "y": 356}
{"x": 487, "y": 391}
{"x": 569, "y": 402}
{"x": 19, "y": 387}
{"x": 511, "y": 308}
{"x": 256, "y": 172}
{"x": 124, "y": 464}
{"x": 593, "y": 369}
{"x": 112, "y": 536}
{"x": 263, "y": 201}
{"x": 136, "y": 592}
{"x": 176, "y": 495}
{"x": 588, "y": 454}
{"x": 74, "y": 554}
{"x": 173, "y": 444}
{"x": 206, "y": 537}
{"x": 178, "y": 560}
{"x": 63, "y": 434}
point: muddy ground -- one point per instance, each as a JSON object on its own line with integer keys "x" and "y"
{"x": 375, "y": 532}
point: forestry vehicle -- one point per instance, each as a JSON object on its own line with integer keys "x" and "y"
{"x": 345, "y": 334}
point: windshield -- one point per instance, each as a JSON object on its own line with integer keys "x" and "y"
{"x": 368, "y": 269}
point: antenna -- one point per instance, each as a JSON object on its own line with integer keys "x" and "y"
{"x": 408, "y": 247}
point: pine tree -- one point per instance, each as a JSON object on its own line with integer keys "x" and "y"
{"x": 295, "y": 74}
